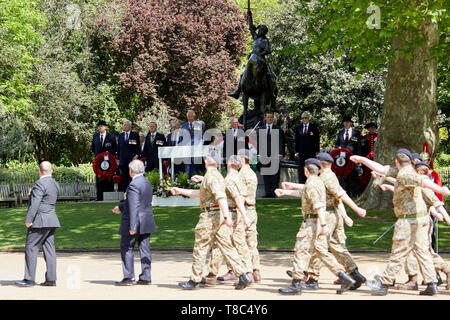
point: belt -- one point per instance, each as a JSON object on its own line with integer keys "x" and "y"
{"x": 232, "y": 209}
{"x": 414, "y": 215}
{"x": 213, "y": 208}
{"x": 247, "y": 206}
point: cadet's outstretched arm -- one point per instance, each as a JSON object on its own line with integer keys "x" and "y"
{"x": 386, "y": 187}
{"x": 240, "y": 205}
{"x": 375, "y": 166}
{"x": 341, "y": 209}
{"x": 432, "y": 210}
{"x": 293, "y": 193}
{"x": 321, "y": 214}
{"x": 427, "y": 183}
{"x": 441, "y": 210}
{"x": 292, "y": 186}
{"x": 186, "y": 192}
{"x": 360, "y": 211}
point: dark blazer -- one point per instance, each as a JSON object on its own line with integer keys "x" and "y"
{"x": 141, "y": 150}
{"x": 307, "y": 145}
{"x": 353, "y": 144}
{"x": 151, "y": 149}
{"x": 240, "y": 142}
{"x": 171, "y": 143}
{"x": 263, "y": 129}
{"x": 126, "y": 151}
{"x": 109, "y": 145}
{"x": 136, "y": 210}
{"x": 41, "y": 204}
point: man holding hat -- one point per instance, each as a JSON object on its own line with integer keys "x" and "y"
{"x": 215, "y": 224}
{"x": 307, "y": 143}
{"x": 312, "y": 236}
{"x": 411, "y": 228}
{"x": 103, "y": 141}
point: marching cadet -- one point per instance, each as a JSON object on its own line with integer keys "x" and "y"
{"x": 312, "y": 236}
{"x": 336, "y": 216}
{"x": 235, "y": 191}
{"x": 411, "y": 228}
{"x": 437, "y": 210}
{"x": 215, "y": 224}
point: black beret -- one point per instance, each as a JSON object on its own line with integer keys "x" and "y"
{"x": 405, "y": 152}
{"x": 421, "y": 164}
{"x": 370, "y": 124}
{"x": 323, "y": 156}
{"x": 102, "y": 123}
{"x": 416, "y": 156}
{"x": 313, "y": 161}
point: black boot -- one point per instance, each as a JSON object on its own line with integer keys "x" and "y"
{"x": 293, "y": 289}
{"x": 376, "y": 287}
{"x": 439, "y": 280}
{"x": 430, "y": 290}
{"x": 189, "y": 285}
{"x": 289, "y": 273}
{"x": 244, "y": 281}
{"x": 311, "y": 284}
{"x": 346, "y": 282}
{"x": 359, "y": 279}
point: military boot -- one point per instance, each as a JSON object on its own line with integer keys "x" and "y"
{"x": 311, "y": 284}
{"x": 293, "y": 289}
{"x": 210, "y": 279}
{"x": 244, "y": 281}
{"x": 376, "y": 287}
{"x": 359, "y": 279}
{"x": 346, "y": 282}
{"x": 189, "y": 285}
{"x": 256, "y": 276}
{"x": 430, "y": 290}
{"x": 229, "y": 276}
{"x": 410, "y": 285}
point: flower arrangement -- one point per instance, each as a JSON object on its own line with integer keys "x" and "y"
{"x": 161, "y": 188}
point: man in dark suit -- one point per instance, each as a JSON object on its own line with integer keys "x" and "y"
{"x": 174, "y": 138}
{"x": 103, "y": 141}
{"x": 153, "y": 141}
{"x": 127, "y": 150}
{"x": 195, "y": 129}
{"x": 274, "y": 152}
{"x": 136, "y": 225}
{"x": 350, "y": 138}
{"x": 307, "y": 143}
{"x": 41, "y": 222}
{"x": 234, "y": 140}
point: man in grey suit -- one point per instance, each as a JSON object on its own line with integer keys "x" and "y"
{"x": 136, "y": 226}
{"x": 41, "y": 222}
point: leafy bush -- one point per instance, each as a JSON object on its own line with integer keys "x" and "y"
{"x": 153, "y": 177}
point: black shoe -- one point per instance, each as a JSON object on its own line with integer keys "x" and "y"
{"x": 289, "y": 273}
{"x": 430, "y": 290}
{"x": 311, "y": 284}
{"x": 126, "y": 282}
{"x": 359, "y": 279}
{"x": 346, "y": 282}
{"x": 376, "y": 287}
{"x": 189, "y": 285}
{"x": 293, "y": 289}
{"x": 48, "y": 284}
{"x": 144, "y": 282}
{"x": 439, "y": 280}
{"x": 25, "y": 283}
{"x": 244, "y": 281}
{"x": 235, "y": 94}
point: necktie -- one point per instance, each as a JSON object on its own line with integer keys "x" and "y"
{"x": 268, "y": 130}
{"x": 190, "y": 128}
{"x": 153, "y": 138}
{"x": 305, "y": 130}
{"x": 126, "y": 139}
{"x": 346, "y": 135}
{"x": 101, "y": 140}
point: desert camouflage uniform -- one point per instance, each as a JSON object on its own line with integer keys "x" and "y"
{"x": 412, "y": 266}
{"x": 210, "y": 227}
{"x": 310, "y": 244}
{"x": 234, "y": 187}
{"x": 335, "y": 223}
{"x": 411, "y": 228}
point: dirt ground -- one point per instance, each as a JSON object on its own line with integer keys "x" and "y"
{"x": 91, "y": 275}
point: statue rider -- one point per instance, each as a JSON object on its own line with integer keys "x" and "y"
{"x": 260, "y": 48}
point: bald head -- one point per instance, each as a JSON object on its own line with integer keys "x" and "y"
{"x": 45, "y": 168}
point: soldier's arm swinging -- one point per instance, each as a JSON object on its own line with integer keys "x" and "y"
{"x": 223, "y": 204}
{"x": 427, "y": 183}
{"x": 348, "y": 201}
{"x": 341, "y": 209}
{"x": 375, "y": 166}
{"x": 321, "y": 214}
{"x": 240, "y": 205}
{"x": 432, "y": 210}
{"x": 292, "y": 186}
{"x": 284, "y": 192}
{"x": 186, "y": 192}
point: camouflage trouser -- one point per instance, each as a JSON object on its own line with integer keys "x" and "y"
{"x": 410, "y": 235}
{"x": 210, "y": 227}
{"x": 412, "y": 266}
{"x": 336, "y": 245}
{"x": 252, "y": 238}
{"x": 311, "y": 245}
{"x": 238, "y": 239}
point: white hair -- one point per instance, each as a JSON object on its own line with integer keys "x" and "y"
{"x": 137, "y": 166}
{"x": 306, "y": 114}
{"x": 128, "y": 121}
{"x": 190, "y": 111}
{"x": 141, "y": 133}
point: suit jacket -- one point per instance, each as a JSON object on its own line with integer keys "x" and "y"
{"x": 240, "y": 142}
{"x": 307, "y": 145}
{"x": 353, "y": 144}
{"x": 41, "y": 204}
{"x": 171, "y": 143}
{"x": 196, "y": 134}
{"x": 263, "y": 129}
{"x": 137, "y": 213}
{"x": 151, "y": 149}
{"x": 109, "y": 145}
{"x": 126, "y": 151}
{"x": 141, "y": 150}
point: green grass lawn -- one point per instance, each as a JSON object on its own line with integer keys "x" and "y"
{"x": 93, "y": 225}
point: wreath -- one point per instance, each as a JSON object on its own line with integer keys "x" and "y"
{"x": 117, "y": 178}
{"x": 105, "y": 166}
{"x": 342, "y": 165}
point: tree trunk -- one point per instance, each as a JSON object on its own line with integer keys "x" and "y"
{"x": 410, "y": 111}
